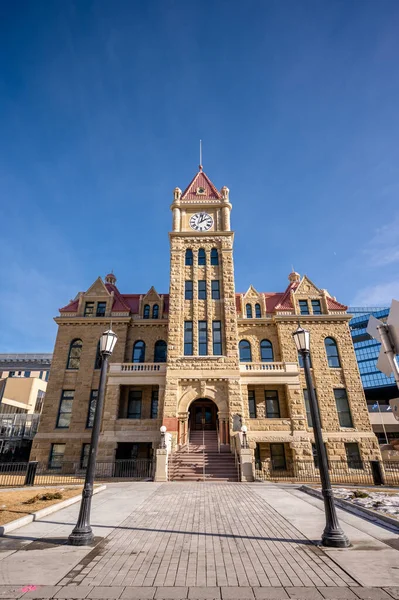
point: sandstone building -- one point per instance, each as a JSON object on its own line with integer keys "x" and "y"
{"x": 204, "y": 357}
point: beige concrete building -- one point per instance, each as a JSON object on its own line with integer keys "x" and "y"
{"x": 204, "y": 357}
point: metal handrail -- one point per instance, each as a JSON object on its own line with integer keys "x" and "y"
{"x": 237, "y": 458}
{"x": 203, "y": 451}
{"x": 188, "y": 437}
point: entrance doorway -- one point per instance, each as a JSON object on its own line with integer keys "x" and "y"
{"x": 203, "y": 415}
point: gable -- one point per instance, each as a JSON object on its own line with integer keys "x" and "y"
{"x": 152, "y": 295}
{"x": 200, "y": 181}
{"x": 97, "y": 289}
{"x": 251, "y": 294}
{"x": 307, "y": 287}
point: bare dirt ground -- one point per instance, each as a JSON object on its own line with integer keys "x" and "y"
{"x": 13, "y": 502}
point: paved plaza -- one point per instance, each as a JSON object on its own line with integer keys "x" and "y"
{"x": 200, "y": 541}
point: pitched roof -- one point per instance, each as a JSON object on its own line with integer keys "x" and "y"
{"x": 200, "y": 180}
{"x": 119, "y": 304}
{"x": 285, "y": 301}
{"x": 335, "y": 305}
{"x": 71, "y": 307}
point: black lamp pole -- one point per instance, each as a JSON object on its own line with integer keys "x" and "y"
{"x": 82, "y": 534}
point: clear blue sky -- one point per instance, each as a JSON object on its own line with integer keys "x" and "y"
{"x": 102, "y": 105}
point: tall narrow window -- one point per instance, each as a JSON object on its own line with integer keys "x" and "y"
{"x": 75, "y": 351}
{"x": 307, "y": 406}
{"x": 101, "y": 308}
{"x": 248, "y": 309}
{"x": 146, "y": 312}
{"x": 258, "y": 313}
{"x": 201, "y": 257}
{"x": 215, "y": 289}
{"x": 92, "y": 408}
{"x": 154, "y": 404}
{"x": 214, "y": 257}
{"x": 134, "y": 405}
{"x": 245, "y": 351}
{"x": 188, "y": 338}
{"x": 202, "y": 338}
{"x": 332, "y": 353}
{"x": 84, "y": 456}
{"x": 303, "y": 307}
{"x": 160, "y": 349}
{"x": 217, "y": 338}
{"x": 155, "y": 311}
{"x": 202, "y": 289}
{"x": 344, "y": 413}
{"x": 26, "y": 373}
{"x": 188, "y": 290}
{"x": 98, "y": 360}
{"x": 251, "y": 404}
{"x": 316, "y": 307}
{"x": 300, "y": 360}
{"x": 56, "y": 456}
{"x": 138, "y": 352}
{"x": 189, "y": 257}
{"x": 89, "y": 309}
{"x": 272, "y": 404}
{"x": 353, "y": 456}
{"x": 266, "y": 351}
{"x": 277, "y": 455}
{"x": 65, "y": 409}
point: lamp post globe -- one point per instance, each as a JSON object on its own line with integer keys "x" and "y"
{"x": 162, "y": 429}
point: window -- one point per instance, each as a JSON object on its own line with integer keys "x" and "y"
{"x": 146, "y": 312}
{"x": 134, "y": 405}
{"x": 214, "y": 257}
{"x": 251, "y": 404}
{"x": 84, "y": 457}
{"x": 98, "y": 361}
{"x": 272, "y": 404}
{"x": 353, "y": 456}
{"x": 277, "y": 455}
{"x": 332, "y": 353}
{"x": 39, "y": 401}
{"x": 248, "y": 309}
{"x": 316, "y": 307}
{"x": 155, "y": 311}
{"x": 47, "y": 375}
{"x": 101, "y": 306}
{"x": 56, "y": 456}
{"x": 201, "y": 289}
{"x": 188, "y": 338}
{"x": 41, "y": 374}
{"x": 189, "y": 257}
{"x": 307, "y": 406}
{"x": 26, "y": 373}
{"x": 344, "y": 414}
{"x": 303, "y": 307}
{"x": 188, "y": 290}
{"x": 316, "y": 456}
{"x": 154, "y": 404}
{"x": 266, "y": 351}
{"x": 11, "y": 374}
{"x": 245, "y": 351}
{"x": 217, "y": 338}
{"x": 65, "y": 410}
{"x": 138, "y": 352}
{"x": 201, "y": 257}
{"x": 258, "y": 313}
{"x": 92, "y": 408}
{"x": 215, "y": 289}
{"x": 75, "y": 350}
{"x": 160, "y": 349}
{"x": 89, "y": 309}
{"x": 300, "y": 360}
{"x": 202, "y": 338}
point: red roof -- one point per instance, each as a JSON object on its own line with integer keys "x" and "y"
{"x": 335, "y": 305}
{"x": 285, "y": 301}
{"x": 72, "y": 307}
{"x": 201, "y": 180}
{"x": 119, "y": 304}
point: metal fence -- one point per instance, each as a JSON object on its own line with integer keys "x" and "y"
{"x": 19, "y": 474}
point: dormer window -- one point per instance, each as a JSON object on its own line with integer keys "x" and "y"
{"x": 316, "y": 307}
{"x": 89, "y": 309}
{"x": 101, "y": 307}
{"x": 146, "y": 313}
{"x": 303, "y": 307}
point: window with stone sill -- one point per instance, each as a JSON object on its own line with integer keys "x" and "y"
{"x": 75, "y": 351}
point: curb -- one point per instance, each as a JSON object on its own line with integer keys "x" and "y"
{"x": 372, "y": 515}
{"x": 43, "y": 512}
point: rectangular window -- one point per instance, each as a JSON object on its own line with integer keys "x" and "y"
{"x": 277, "y": 455}
{"x": 217, "y": 338}
{"x": 39, "y": 401}
{"x": 201, "y": 289}
{"x": 11, "y": 374}
{"x": 202, "y": 338}
{"x": 101, "y": 306}
{"x": 134, "y": 405}
{"x": 84, "y": 457}
{"x": 303, "y": 307}
{"x": 56, "y": 456}
{"x": 26, "y": 373}
{"x": 215, "y": 289}
{"x": 41, "y": 374}
{"x": 188, "y": 290}
{"x": 154, "y": 404}
{"x": 92, "y": 408}
{"x": 47, "y": 375}
{"x": 89, "y": 309}
{"x": 272, "y": 404}
{"x": 251, "y": 404}
{"x": 344, "y": 414}
{"x": 353, "y": 456}
{"x": 307, "y": 405}
{"x": 188, "y": 338}
{"x": 65, "y": 410}
{"x": 316, "y": 307}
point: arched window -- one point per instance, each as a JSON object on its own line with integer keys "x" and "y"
{"x": 160, "y": 349}
{"x": 201, "y": 257}
{"x": 98, "y": 361}
{"x": 189, "y": 257}
{"x": 75, "y": 350}
{"x": 245, "y": 351}
{"x": 155, "y": 311}
{"x": 332, "y": 353}
{"x": 214, "y": 257}
{"x": 146, "y": 313}
{"x": 266, "y": 351}
{"x": 248, "y": 308}
{"x": 138, "y": 352}
{"x": 258, "y": 313}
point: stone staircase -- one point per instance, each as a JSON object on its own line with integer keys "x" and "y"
{"x": 201, "y": 461}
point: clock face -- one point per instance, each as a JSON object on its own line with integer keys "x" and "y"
{"x": 201, "y": 221}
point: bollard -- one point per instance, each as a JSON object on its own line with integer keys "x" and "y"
{"x": 378, "y": 475}
{"x": 31, "y": 473}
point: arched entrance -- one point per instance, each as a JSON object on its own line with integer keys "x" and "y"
{"x": 203, "y": 415}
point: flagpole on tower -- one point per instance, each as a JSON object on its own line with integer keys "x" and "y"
{"x": 200, "y": 165}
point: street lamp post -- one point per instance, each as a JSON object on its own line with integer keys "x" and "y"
{"x": 162, "y": 429}
{"x": 332, "y": 535}
{"x": 244, "y": 430}
{"x": 82, "y": 534}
